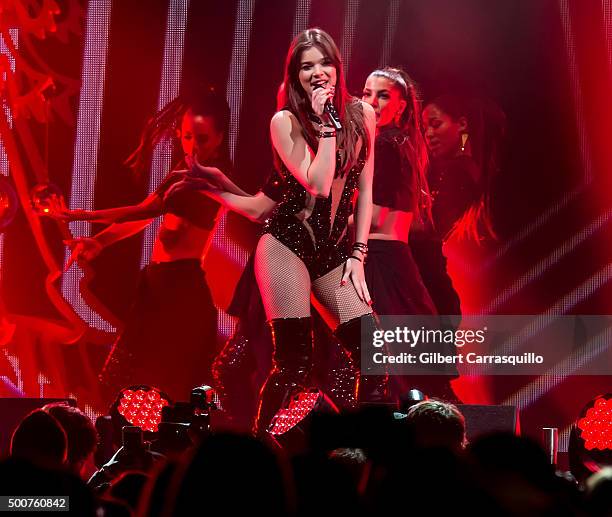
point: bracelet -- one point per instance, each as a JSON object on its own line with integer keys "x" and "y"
{"x": 355, "y": 258}
{"x": 326, "y": 134}
{"x": 318, "y": 121}
{"x": 361, "y": 247}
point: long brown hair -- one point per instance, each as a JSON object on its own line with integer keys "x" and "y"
{"x": 413, "y": 146}
{"x": 293, "y": 97}
{"x": 486, "y": 128}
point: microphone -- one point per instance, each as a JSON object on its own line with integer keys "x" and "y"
{"x": 330, "y": 109}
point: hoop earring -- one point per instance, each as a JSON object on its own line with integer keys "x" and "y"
{"x": 464, "y": 138}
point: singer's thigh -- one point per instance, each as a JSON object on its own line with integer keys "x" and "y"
{"x": 337, "y": 303}
{"x": 283, "y": 280}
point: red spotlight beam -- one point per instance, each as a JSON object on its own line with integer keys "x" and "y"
{"x": 553, "y": 258}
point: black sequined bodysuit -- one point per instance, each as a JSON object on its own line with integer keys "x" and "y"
{"x": 320, "y": 246}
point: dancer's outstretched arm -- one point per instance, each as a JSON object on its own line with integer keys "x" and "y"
{"x": 147, "y": 209}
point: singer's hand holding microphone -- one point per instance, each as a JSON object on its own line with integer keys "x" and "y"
{"x": 320, "y": 96}
{"x": 322, "y": 102}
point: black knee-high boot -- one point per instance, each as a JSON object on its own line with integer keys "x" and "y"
{"x": 232, "y": 372}
{"x": 370, "y": 388}
{"x": 293, "y": 349}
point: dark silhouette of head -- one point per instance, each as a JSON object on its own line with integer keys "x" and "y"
{"x": 20, "y": 477}
{"x": 40, "y": 439}
{"x": 599, "y": 492}
{"x": 237, "y": 474}
{"x": 81, "y": 434}
{"x": 508, "y": 465}
{"x": 352, "y": 461}
{"x": 506, "y": 452}
{"x": 437, "y": 424}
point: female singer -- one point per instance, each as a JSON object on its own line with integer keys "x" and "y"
{"x": 305, "y": 246}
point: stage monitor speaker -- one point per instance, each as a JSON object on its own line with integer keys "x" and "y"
{"x": 481, "y": 419}
{"x": 13, "y": 410}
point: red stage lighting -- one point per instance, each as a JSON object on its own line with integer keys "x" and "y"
{"x": 291, "y": 427}
{"x": 140, "y": 406}
{"x": 590, "y": 443}
{"x": 47, "y": 198}
{"x": 8, "y": 203}
{"x": 299, "y": 407}
{"x": 596, "y": 425}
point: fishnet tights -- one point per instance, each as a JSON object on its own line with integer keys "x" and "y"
{"x": 285, "y": 287}
{"x": 283, "y": 280}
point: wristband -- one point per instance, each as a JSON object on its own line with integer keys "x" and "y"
{"x": 361, "y": 247}
{"x": 327, "y": 134}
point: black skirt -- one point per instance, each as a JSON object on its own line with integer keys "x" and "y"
{"x": 246, "y": 304}
{"x": 170, "y": 336}
{"x": 426, "y": 248}
{"x": 397, "y": 289}
{"x": 394, "y": 280}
